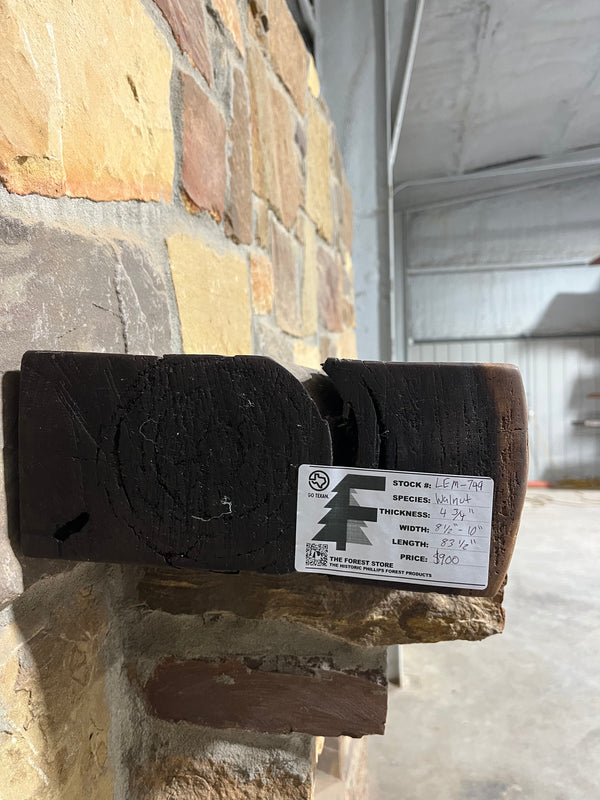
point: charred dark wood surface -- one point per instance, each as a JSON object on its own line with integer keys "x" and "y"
{"x": 192, "y": 461}
{"x": 460, "y": 419}
{"x": 189, "y": 461}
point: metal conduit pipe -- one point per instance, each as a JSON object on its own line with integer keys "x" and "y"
{"x": 568, "y": 262}
{"x": 397, "y": 348}
{"x": 408, "y": 69}
{"x": 520, "y": 187}
{"x": 390, "y": 180}
{"x": 496, "y": 173}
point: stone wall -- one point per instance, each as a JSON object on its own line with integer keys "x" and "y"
{"x": 170, "y": 182}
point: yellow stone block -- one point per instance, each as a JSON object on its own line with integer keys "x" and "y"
{"x": 54, "y": 738}
{"x": 85, "y": 93}
{"x": 307, "y": 355}
{"x": 213, "y": 297}
{"x": 318, "y": 197}
{"x": 347, "y": 344}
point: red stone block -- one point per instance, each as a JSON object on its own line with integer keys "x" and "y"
{"x": 238, "y": 217}
{"x": 204, "y": 172}
{"x": 187, "y": 21}
{"x": 235, "y": 694}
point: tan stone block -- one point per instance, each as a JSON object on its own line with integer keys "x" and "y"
{"x": 362, "y": 613}
{"x": 261, "y": 217}
{"x": 238, "y": 216}
{"x": 313, "y": 78}
{"x": 188, "y": 23}
{"x": 52, "y": 690}
{"x": 261, "y": 277}
{"x": 347, "y": 344}
{"x": 307, "y": 355}
{"x": 187, "y": 778}
{"x": 228, "y": 11}
{"x": 318, "y": 196}
{"x": 287, "y": 51}
{"x": 85, "y": 101}
{"x": 213, "y": 297}
{"x": 204, "y": 172}
{"x": 258, "y": 22}
{"x": 330, "y": 290}
{"x": 286, "y": 258}
{"x": 276, "y": 169}
{"x": 310, "y": 283}
{"x": 290, "y": 181}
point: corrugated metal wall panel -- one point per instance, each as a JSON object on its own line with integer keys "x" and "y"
{"x": 559, "y": 375}
{"x": 499, "y": 303}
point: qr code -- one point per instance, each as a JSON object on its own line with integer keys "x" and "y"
{"x": 316, "y": 555}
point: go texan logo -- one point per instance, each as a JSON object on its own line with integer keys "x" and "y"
{"x": 345, "y": 520}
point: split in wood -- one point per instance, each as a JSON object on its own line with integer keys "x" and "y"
{"x": 192, "y": 461}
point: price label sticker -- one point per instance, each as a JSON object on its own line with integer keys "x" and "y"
{"x": 408, "y": 527}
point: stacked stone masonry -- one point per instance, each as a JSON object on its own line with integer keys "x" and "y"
{"x": 170, "y": 181}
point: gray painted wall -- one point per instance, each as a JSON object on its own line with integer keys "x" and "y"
{"x": 463, "y": 307}
{"x": 350, "y": 58}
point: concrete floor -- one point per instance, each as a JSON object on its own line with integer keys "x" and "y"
{"x": 517, "y": 716}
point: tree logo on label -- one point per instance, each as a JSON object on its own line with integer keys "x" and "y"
{"x": 346, "y": 518}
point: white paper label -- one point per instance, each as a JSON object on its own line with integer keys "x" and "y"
{"x": 409, "y": 527}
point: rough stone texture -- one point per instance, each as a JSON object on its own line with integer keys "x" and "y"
{"x": 188, "y": 23}
{"x": 55, "y": 720}
{"x": 230, "y": 15}
{"x": 318, "y": 198}
{"x": 330, "y": 291}
{"x": 261, "y": 215}
{"x": 310, "y": 286}
{"x": 351, "y": 610}
{"x": 87, "y": 110}
{"x": 86, "y": 101}
{"x": 100, "y": 293}
{"x": 261, "y": 276}
{"x": 288, "y": 52}
{"x": 213, "y": 297}
{"x": 238, "y": 217}
{"x": 286, "y": 257}
{"x": 277, "y": 176}
{"x": 247, "y": 694}
{"x": 177, "y": 778}
{"x": 258, "y": 22}
{"x": 204, "y": 172}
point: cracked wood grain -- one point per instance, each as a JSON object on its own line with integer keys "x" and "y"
{"x": 186, "y": 461}
{"x": 457, "y": 419}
